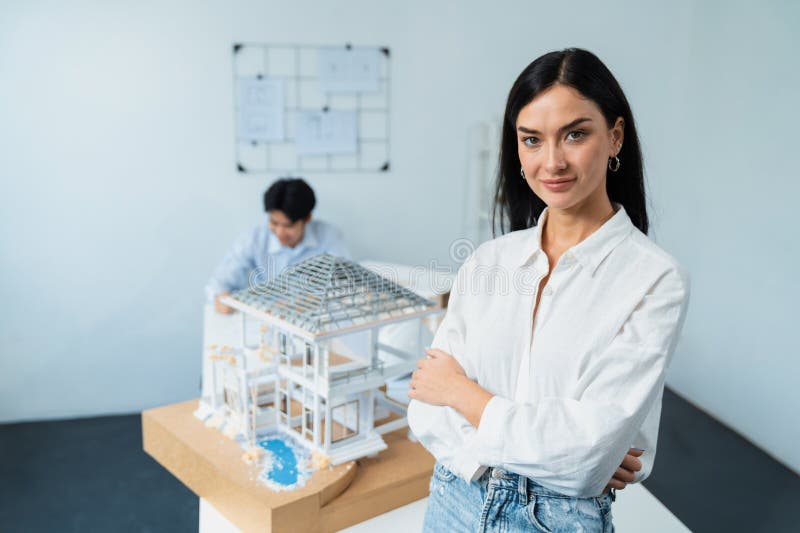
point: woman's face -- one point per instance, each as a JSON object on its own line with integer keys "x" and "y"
{"x": 564, "y": 144}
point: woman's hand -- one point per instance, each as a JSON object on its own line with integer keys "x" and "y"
{"x": 437, "y": 379}
{"x": 440, "y": 380}
{"x": 627, "y": 470}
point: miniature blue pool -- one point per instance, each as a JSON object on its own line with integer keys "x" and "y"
{"x": 284, "y": 466}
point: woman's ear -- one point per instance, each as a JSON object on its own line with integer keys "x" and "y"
{"x": 617, "y": 136}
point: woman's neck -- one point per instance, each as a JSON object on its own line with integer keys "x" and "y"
{"x": 564, "y": 228}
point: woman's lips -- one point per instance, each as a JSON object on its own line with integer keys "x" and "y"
{"x": 559, "y": 185}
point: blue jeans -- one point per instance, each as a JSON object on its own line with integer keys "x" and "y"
{"x": 504, "y": 502}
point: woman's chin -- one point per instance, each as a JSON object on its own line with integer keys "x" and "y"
{"x": 556, "y": 201}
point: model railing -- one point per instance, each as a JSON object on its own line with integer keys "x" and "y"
{"x": 352, "y": 375}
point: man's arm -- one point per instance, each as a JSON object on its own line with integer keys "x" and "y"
{"x": 233, "y": 271}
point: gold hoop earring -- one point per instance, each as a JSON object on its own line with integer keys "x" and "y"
{"x": 615, "y": 166}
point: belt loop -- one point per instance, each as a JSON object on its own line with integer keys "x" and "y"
{"x": 522, "y": 488}
{"x": 613, "y": 494}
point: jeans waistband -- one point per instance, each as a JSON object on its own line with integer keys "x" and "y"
{"x": 526, "y": 487}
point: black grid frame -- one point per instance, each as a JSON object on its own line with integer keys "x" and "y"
{"x": 258, "y": 157}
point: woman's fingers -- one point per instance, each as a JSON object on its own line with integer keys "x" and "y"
{"x": 439, "y": 359}
{"x": 435, "y": 352}
{"x": 624, "y": 475}
{"x": 631, "y": 463}
{"x": 617, "y": 484}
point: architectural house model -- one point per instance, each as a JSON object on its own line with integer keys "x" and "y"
{"x": 310, "y": 364}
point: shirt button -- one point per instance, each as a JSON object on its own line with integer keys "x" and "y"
{"x": 548, "y": 291}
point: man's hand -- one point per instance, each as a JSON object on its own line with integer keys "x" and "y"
{"x": 221, "y": 307}
{"x": 626, "y": 472}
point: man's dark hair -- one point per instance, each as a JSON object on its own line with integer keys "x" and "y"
{"x": 293, "y": 196}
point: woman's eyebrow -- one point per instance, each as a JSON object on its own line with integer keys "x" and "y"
{"x": 565, "y": 127}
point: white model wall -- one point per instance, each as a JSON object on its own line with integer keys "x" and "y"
{"x": 120, "y": 193}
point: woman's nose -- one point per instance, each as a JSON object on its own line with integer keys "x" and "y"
{"x": 555, "y": 159}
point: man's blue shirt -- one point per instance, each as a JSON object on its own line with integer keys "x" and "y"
{"x": 258, "y": 255}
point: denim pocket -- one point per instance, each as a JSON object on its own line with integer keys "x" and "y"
{"x": 536, "y": 513}
{"x": 552, "y": 514}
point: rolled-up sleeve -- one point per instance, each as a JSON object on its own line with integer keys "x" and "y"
{"x": 575, "y": 444}
{"x": 234, "y": 270}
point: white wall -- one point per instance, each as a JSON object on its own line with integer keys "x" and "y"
{"x": 120, "y": 193}
{"x": 730, "y": 216}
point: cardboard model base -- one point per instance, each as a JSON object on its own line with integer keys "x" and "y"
{"x": 334, "y": 498}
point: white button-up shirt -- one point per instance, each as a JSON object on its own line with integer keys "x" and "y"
{"x": 577, "y": 388}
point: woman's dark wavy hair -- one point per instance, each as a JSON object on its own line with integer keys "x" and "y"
{"x": 515, "y": 204}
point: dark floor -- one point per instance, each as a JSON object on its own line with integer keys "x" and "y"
{"x": 91, "y": 475}
{"x": 87, "y": 475}
{"x": 714, "y": 480}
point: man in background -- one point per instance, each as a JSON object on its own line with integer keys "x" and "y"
{"x": 286, "y": 238}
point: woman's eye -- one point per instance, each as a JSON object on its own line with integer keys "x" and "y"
{"x": 576, "y": 135}
{"x": 530, "y": 141}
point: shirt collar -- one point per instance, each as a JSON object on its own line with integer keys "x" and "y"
{"x": 310, "y": 240}
{"x": 591, "y": 251}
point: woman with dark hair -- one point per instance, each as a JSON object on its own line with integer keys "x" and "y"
{"x": 550, "y": 362}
